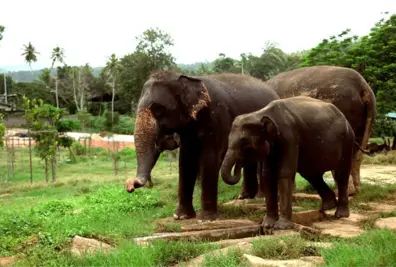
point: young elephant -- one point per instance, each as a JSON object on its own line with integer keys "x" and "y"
{"x": 298, "y": 134}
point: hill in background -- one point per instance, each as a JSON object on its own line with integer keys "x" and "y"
{"x": 28, "y": 76}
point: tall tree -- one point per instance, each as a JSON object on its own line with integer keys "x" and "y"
{"x": 112, "y": 67}
{"x": 30, "y": 54}
{"x": 152, "y": 53}
{"x": 58, "y": 55}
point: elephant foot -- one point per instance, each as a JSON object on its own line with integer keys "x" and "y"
{"x": 342, "y": 212}
{"x": 267, "y": 226}
{"x": 329, "y": 204}
{"x": 260, "y": 194}
{"x": 150, "y": 184}
{"x": 282, "y": 223}
{"x": 206, "y": 215}
{"x": 246, "y": 195}
{"x": 183, "y": 213}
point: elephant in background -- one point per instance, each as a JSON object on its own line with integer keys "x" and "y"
{"x": 200, "y": 110}
{"x": 291, "y": 135}
{"x": 343, "y": 87}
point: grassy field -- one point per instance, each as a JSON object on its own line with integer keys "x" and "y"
{"x": 38, "y": 221}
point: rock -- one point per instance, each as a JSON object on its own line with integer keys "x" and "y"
{"x": 246, "y": 204}
{"x": 7, "y": 261}
{"x": 230, "y": 242}
{"x": 81, "y": 245}
{"x": 77, "y": 211}
{"x": 381, "y": 207}
{"x": 302, "y": 262}
{"x": 217, "y": 224}
{"x": 389, "y": 223}
{"x": 208, "y": 235}
{"x": 198, "y": 261}
{"x": 340, "y": 227}
{"x": 304, "y": 196}
{"x": 5, "y": 195}
{"x": 319, "y": 244}
{"x": 308, "y": 217}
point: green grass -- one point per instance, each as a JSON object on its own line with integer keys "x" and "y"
{"x": 39, "y": 220}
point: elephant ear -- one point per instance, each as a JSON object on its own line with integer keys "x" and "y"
{"x": 270, "y": 128}
{"x": 194, "y": 95}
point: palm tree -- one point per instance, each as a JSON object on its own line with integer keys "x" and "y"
{"x": 58, "y": 55}
{"x": 111, "y": 69}
{"x": 30, "y": 53}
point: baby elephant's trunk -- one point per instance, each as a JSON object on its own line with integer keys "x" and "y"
{"x": 229, "y": 161}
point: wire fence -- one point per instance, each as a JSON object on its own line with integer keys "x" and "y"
{"x": 19, "y": 160}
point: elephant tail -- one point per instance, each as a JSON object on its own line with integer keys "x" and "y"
{"x": 364, "y": 151}
{"x": 369, "y": 101}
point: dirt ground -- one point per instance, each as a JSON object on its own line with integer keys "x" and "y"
{"x": 378, "y": 173}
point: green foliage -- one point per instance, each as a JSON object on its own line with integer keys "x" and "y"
{"x": 2, "y": 130}
{"x": 384, "y": 126}
{"x": 373, "y": 56}
{"x": 115, "y": 198}
{"x": 67, "y": 125}
{"x": 125, "y": 125}
{"x": 373, "y": 248}
{"x": 42, "y": 119}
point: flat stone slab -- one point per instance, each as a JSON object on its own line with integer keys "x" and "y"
{"x": 308, "y": 217}
{"x": 198, "y": 225}
{"x": 198, "y": 261}
{"x": 310, "y": 261}
{"x": 231, "y": 242}
{"x": 388, "y": 223}
{"x": 208, "y": 235}
{"x": 305, "y": 196}
{"x": 82, "y": 245}
{"x": 7, "y": 261}
{"x": 340, "y": 228}
{"x": 381, "y": 207}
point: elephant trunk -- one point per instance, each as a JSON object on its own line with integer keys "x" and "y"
{"x": 146, "y": 152}
{"x": 226, "y": 167}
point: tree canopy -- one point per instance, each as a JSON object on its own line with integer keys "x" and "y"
{"x": 372, "y": 55}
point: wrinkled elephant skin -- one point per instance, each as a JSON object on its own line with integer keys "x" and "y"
{"x": 343, "y": 87}
{"x": 200, "y": 110}
{"x": 301, "y": 140}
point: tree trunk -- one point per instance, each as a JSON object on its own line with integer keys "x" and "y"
{"x": 56, "y": 90}
{"x": 394, "y": 143}
{"x": 112, "y": 104}
{"x": 74, "y": 91}
{"x": 30, "y": 158}
{"x": 46, "y": 169}
{"x": 53, "y": 165}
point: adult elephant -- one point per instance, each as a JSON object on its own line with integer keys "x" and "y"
{"x": 200, "y": 110}
{"x": 343, "y": 87}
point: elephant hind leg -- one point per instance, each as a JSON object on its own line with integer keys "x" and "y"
{"x": 327, "y": 195}
{"x": 342, "y": 178}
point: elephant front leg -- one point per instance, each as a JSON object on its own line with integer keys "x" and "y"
{"x": 286, "y": 176}
{"x": 250, "y": 182}
{"x": 285, "y": 191}
{"x": 209, "y": 184}
{"x": 269, "y": 183}
{"x": 188, "y": 171}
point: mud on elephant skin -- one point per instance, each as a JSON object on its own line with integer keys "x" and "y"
{"x": 298, "y": 134}
{"x": 200, "y": 110}
{"x": 343, "y": 87}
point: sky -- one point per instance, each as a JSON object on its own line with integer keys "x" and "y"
{"x": 91, "y": 30}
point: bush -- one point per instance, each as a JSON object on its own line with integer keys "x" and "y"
{"x": 125, "y": 125}
{"x": 68, "y": 125}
